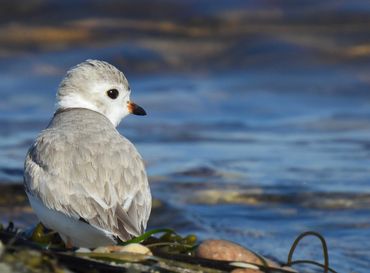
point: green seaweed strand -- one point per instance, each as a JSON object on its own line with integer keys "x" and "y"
{"x": 146, "y": 235}
{"x": 324, "y": 246}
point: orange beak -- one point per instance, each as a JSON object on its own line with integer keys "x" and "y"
{"x": 135, "y": 109}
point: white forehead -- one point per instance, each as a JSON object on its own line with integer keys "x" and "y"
{"x": 91, "y": 72}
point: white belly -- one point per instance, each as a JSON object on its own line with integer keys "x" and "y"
{"x": 78, "y": 233}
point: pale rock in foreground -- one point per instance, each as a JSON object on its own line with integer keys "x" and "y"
{"x": 131, "y": 248}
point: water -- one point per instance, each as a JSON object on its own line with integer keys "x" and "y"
{"x": 261, "y": 140}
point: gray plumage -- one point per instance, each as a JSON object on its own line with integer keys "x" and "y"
{"x": 82, "y": 167}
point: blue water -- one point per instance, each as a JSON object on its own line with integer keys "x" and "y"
{"x": 270, "y": 140}
{"x": 297, "y": 160}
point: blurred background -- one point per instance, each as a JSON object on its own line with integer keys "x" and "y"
{"x": 258, "y": 123}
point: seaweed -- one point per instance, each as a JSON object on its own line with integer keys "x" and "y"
{"x": 168, "y": 255}
{"x": 41, "y": 250}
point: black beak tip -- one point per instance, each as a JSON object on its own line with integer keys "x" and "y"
{"x": 139, "y": 111}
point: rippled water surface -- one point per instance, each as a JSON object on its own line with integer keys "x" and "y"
{"x": 255, "y": 153}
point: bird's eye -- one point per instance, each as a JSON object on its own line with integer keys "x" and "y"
{"x": 113, "y": 93}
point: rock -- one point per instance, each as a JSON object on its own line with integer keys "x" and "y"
{"x": 246, "y": 270}
{"x": 228, "y": 251}
{"x": 83, "y": 250}
{"x": 108, "y": 249}
{"x": 102, "y": 249}
{"x": 132, "y": 248}
{"x": 136, "y": 248}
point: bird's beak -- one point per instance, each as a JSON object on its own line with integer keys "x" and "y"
{"x": 135, "y": 109}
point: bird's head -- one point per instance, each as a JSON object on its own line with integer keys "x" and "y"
{"x": 98, "y": 86}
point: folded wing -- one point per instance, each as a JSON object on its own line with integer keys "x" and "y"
{"x": 85, "y": 175}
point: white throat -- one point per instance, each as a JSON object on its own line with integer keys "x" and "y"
{"x": 75, "y": 101}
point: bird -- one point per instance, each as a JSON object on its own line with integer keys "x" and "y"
{"x": 83, "y": 179}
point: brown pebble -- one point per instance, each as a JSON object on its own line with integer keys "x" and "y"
{"x": 228, "y": 251}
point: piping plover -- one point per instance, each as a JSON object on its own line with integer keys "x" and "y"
{"x": 82, "y": 178}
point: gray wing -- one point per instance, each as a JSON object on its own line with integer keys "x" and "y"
{"x": 101, "y": 179}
